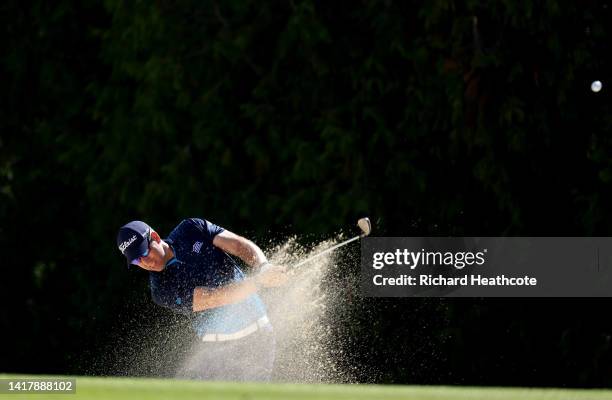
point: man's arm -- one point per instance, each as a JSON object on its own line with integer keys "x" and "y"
{"x": 251, "y": 254}
{"x": 205, "y": 298}
{"x": 240, "y": 247}
{"x": 266, "y": 274}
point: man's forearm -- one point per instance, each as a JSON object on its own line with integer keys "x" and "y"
{"x": 240, "y": 247}
{"x": 251, "y": 254}
{"x": 205, "y": 298}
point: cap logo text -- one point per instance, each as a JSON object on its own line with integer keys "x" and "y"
{"x": 126, "y": 244}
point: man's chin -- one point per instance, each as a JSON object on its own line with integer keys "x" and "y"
{"x": 154, "y": 268}
{"x": 159, "y": 268}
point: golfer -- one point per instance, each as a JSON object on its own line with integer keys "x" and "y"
{"x": 192, "y": 272}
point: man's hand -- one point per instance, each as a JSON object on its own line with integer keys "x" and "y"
{"x": 271, "y": 276}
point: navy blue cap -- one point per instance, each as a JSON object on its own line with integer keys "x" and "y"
{"x": 133, "y": 240}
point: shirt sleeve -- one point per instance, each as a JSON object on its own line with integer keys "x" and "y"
{"x": 207, "y": 229}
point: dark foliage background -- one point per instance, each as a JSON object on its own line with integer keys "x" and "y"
{"x": 434, "y": 118}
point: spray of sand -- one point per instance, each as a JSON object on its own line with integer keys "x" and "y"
{"x": 304, "y": 317}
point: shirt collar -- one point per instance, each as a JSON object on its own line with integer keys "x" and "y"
{"x": 173, "y": 260}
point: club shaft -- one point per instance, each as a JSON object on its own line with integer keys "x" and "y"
{"x": 309, "y": 259}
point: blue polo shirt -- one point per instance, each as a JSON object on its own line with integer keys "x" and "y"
{"x": 198, "y": 262}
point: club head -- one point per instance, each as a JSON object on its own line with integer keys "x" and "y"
{"x": 365, "y": 225}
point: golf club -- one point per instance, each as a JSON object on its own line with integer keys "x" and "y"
{"x": 364, "y": 224}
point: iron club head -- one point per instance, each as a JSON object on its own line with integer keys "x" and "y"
{"x": 365, "y": 225}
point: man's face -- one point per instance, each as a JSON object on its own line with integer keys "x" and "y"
{"x": 154, "y": 260}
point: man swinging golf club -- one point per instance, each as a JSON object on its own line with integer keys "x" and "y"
{"x": 192, "y": 271}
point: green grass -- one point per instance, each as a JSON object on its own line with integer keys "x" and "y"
{"x": 133, "y": 389}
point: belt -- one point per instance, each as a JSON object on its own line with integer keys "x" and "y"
{"x": 223, "y": 337}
